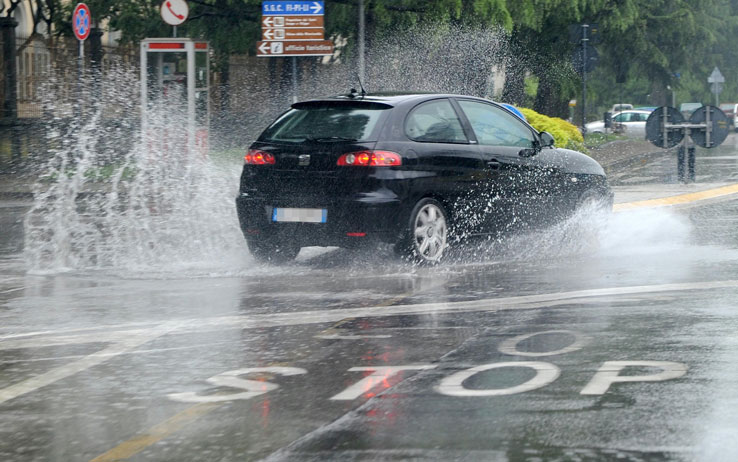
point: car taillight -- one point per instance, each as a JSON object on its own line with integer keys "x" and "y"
{"x": 256, "y": 157}
{"x": 370, "y": 159}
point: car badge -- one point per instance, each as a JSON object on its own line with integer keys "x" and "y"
{"x": 303, "y": 160}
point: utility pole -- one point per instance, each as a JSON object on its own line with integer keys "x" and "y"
{"x": 584, "y": 78}
{"x": 362, "y": 32}
{"x": 585, "y": 58}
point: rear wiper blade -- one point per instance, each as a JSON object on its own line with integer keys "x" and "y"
{"x": 324, "y": 139}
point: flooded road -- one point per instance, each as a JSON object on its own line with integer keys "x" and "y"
{"x": 613, "y": 340}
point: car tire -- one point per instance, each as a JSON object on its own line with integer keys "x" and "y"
{"x": 595, "y": 201}
{"x": 272, "y": 252}
{"x": 426, "y": 236}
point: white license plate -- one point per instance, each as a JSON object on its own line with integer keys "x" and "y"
{"x": 288, "y": 215}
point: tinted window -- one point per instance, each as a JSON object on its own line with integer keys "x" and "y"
{"x": 624, "y": 117}
{"x": 323, "y": 121}
{"x": 435, "y": 121}
{"x": 493, "y": 126}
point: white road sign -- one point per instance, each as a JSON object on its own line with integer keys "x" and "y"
{"x": 174, "y": 12}
{"x": 716, "y": 76}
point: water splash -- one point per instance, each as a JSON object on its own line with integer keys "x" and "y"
{"x": 141, "y": 207}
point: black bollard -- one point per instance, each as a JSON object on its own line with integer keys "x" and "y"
{"x": 680, "y": 163}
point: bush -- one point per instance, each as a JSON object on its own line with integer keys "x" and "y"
{"x": 566, "y": 134}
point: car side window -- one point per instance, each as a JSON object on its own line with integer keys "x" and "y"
{"x": 436, "y": 122}
{"x": 493, "y": 126}
{"x": 622, "y": 117}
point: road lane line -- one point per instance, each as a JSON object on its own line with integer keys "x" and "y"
{"x": 156, "y": 433}
{"x": 679, "y": 199}
{"x": 297, "y": 318}
{"x": 10, "y": 291}
{"x": 59, "y": 373}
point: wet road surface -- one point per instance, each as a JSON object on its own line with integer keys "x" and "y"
{"x": 549, "y": 346}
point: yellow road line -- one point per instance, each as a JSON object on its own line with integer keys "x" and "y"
{"x": 156, "y": 433}
{"x": 677, "y": 200}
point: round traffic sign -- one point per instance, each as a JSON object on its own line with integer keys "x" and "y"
{"x": 719, "y": 126}
{"x": 81, "y": 21}
{"x": 174, "y": 12}
{"x": 655, "y": 127}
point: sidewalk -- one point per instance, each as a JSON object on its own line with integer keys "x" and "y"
{"x": 616, "y": 153}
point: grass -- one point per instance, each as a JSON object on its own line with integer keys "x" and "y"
{"x": 595, "y": 140}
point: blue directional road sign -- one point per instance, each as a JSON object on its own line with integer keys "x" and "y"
{"x": 291, "y": 8}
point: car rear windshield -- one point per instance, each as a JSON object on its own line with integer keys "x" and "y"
{"x": 327, "y": 121}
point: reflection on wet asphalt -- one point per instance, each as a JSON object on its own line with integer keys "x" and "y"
{"x": 620, "y": 331}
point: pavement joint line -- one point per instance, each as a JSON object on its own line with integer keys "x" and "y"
{"x": 678, "y": 199}
{"x": 158, "y": 432}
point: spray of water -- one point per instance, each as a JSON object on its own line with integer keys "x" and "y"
{"x": 112, "y": 197}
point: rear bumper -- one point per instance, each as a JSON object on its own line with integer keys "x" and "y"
{"x": 349, "y": 222}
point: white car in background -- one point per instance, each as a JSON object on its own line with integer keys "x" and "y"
{"x": 630, "y": 123}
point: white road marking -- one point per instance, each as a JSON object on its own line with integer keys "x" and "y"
{"x": 379, "y": 376}
{"x": 10, "y": 291}
{"x": 59, "y": 373}
{"x": 610, "y": 370}
{"x": 510, "y": 346}
{"x": 130, "y": 339}
{"x": 453, "y": 385}
{"x": 231, "y": 379}
{"x": 349, "y": 337}
{"x": 525, "y": 302}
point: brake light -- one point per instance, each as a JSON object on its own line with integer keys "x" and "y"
{"x": 256, "y": 157}
{"x": 370, "y": 159}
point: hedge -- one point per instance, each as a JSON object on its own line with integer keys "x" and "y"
{"x": 566, "y": 134}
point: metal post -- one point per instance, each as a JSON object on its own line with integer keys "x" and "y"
{"x": 361, "y": 41}
{"x": 144, "y": 91}
{"x": 80, "y": 71}
{"x": 294, "y": 79}
{"x": 664, "y": 121}
{"x": 681, "y": 151}
{"x": 584, "y": 78}
{"x": 174, "y": 31}
{"x": 190, "y": 47}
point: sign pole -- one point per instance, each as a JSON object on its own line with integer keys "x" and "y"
{"x": 294, "y": 79}
{"x": 362, "y": 26}
{"x": 584, "y": 78}
{"x": 81, "y": 24}
{"x": 80, "y": 64}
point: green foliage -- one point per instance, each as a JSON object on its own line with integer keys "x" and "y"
{"x": 566, "y": 135}
{"x": 644, "y": 43}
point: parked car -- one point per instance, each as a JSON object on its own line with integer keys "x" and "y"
{"x": 688, "y": 108}
{"x": 630, "y": 123}
{"x": 730, "y": 110}
{"x": 620, "y": 107}
{"x": 419, "y": 171}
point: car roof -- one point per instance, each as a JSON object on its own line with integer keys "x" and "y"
{"x": 391, "y": 98}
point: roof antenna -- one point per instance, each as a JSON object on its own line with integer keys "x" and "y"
{"x": 361, "y": 85}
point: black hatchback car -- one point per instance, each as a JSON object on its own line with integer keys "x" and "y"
{"x": 415, "y": 170}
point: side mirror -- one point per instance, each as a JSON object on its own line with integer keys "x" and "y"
{"x": 547, "y": 140}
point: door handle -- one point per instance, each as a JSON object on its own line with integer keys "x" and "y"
{"x": 494, "y": 164}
